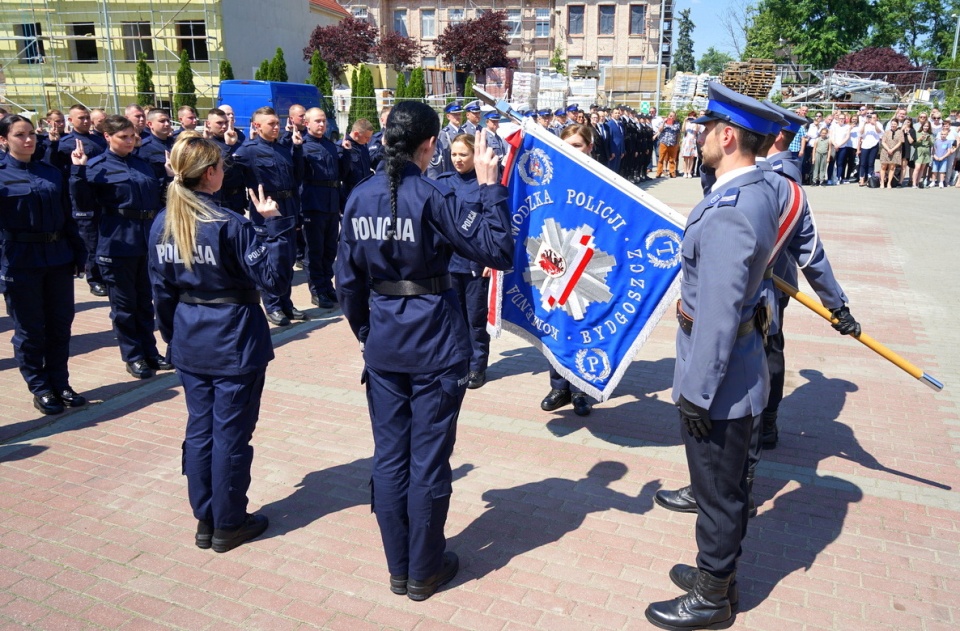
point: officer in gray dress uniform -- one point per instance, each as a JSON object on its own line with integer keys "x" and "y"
{"x": 441, "y": 162}
{"x": 721, "y": 379}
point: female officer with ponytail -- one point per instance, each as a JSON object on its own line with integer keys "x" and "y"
{"x": 399, "y": 231}
{"x": 206, "y": 265}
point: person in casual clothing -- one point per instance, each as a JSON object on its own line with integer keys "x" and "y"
{"x": 822, "y": 152}
{"x": 891, "y": 151}
{"x": 842, "y": 148}
{"x": 688, "y": 150}
{"x": 669, "y": 139}
{"x": 867, "y": 146}
{"x": 943, "y": 148}
{"x": 924, "y": 146}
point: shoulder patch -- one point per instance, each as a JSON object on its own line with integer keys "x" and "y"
{"x": 729, "y": 197}
{"x": 777, "y": 165}
{"x": 442, "y": 187}
{"x": 96, "y": 159}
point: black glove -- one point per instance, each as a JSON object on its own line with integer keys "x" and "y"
{"x": 696, "y": 418}
{"x": 846, "y": 325}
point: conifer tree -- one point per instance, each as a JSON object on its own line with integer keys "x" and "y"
{"x": 186, "y": 91}
{"x": 278, "y": 67}
{"x": 226, "y": 70}
{"x": 263, "y": 72}
{"x": 401, "y": 91}
{"x": 146, "y": 94}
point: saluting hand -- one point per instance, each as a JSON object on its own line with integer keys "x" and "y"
{"x": 230, "y": 136}
{"x": 78, "y": 156}
{"x": 485, "y": 160}
{"x": 166, "y": 164}
{"x": 296, "y": 136}
{"x": 266, "y": 206}
{"x": 53, "y": 134}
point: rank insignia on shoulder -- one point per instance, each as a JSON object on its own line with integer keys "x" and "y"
{"x": 729, "y": 197}
{"x": 714, "y": 199}
{"x": 777, "y": 165}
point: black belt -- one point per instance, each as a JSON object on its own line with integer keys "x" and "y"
{"x": 284, "y": 194}
{"x": 131, "y": 213}
{"x": 31, "y": 237}
{"x": 418, "y": 287}
{"x": 220, "y": 297}
{"x": 323, "y": 183}
{"x": 686, "y": 323}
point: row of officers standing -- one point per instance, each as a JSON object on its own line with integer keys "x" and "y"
{"x": 399, "y": 232}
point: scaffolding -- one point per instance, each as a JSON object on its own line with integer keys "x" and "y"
{"x": 46, "y": 48}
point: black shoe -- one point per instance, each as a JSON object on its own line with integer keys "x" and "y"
{"x": 71, "y": 399}
{"x": 706, "y": 606}
{"x": 298, "y": 264}
{"x": 48, "y": 403}
{"x": 476, "y": 378}
{"x": 253, "y": 527}
{"x": 422, "y": 590}
{"x": 685, "y": 577}
{"x": 681, "y": 500}
{"x": 322, "y": 301}
{"x": 204, "y": 536}
{"x": 332, "y": 295}
{"x": 556, "y": 399}
{"x": 139, "y": 369}
{"x": 159, "y": 363}
{"x": 398, "y": 584}
{"x": 98, "y": 289}
{"x": 295, "y": 314}
{"x": 580, "y": 405}
{"x": 769, "y": 434}
{"x": 279, "y": 318}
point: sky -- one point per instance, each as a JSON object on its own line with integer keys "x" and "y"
{"x": 707, "y": 31}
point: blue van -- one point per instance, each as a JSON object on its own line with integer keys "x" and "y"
{"x": 245, "y": 97}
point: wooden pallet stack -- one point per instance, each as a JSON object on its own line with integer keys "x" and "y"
{"x": 753, "y": 77}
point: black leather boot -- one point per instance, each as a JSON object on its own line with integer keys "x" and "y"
{"x": 681, "y": 500}
{"x": 685, "y": 577}
{"x": 706, "y": 606}
{"x": 769, "y": 434}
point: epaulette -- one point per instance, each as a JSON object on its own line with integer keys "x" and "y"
{"x": 727, "y": 198}
{"x": 777, "y": 165}
{"x": 97, "y": 159}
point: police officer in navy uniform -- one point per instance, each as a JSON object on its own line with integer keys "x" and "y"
{"x": 399, "y": 232}
{"x": 156, "y": 147}
{"x": 721, "y": 379}
{"x": 136, "y": 115}
{"x": 325, "y": 165}
{"x": 441, "y": 163}
{"x": 40, "y": 251}
{"x": 278, "y": 167}
{"x": 357, "y": 154}
{"x": 228, "y": 110}
{"x": 375, "y": 146}
{"x": 87, "y": 220}
{"x": 206, "y": 264}
{"x": 218, "y": 128}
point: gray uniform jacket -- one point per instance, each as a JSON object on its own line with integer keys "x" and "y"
{"x": 726, "y": 247}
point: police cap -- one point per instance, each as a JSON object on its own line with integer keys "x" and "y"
{"x": 560, "y": 112}
{"x": 573, "y": 107}
{"x": 493, "y": 115}
{"x": 738, "y": 109}
{"x": 453, "y": 108}
{"x": 472, "y": 107}
{"x": 793, "y": 121}
{"x": 544, "y": 113}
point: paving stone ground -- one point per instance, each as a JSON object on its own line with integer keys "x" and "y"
{"x": 552, "y": 514}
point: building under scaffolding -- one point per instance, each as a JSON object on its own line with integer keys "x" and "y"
{"x": 57, "y": 52}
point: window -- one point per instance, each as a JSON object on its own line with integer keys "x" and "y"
{"x": 514, "y": 23}
{"x": 638, "y": 19}
{"x": 604, "y": 61}
{"x": 429, "y": 62}
{"x": 607, "y": 15}
{"x": 543, "y": 63}
{"x": 29, "y": 46}
{"x": 400, "y": 22}
{"x": 142, "y": 44}
{"x": 455, "y": 16}
{"x": 83, "y": 43}
{"x": 575, "y": 20}
{"x": 192, "y": 36}
{"x": 479, "y": 12}
{"x": 573, "y": 61}
{"x": 428, "y": 23}
{"x": 634, "y": 61}
{"x": 359, "y": 13}
{"x": 543, "y": 23}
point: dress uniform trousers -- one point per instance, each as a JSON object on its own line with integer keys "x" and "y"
{"x": 131, "y": 306}
{"x": 414, "y": 418}
{"x": 472, "y": 295}
{"x": 273, "y": 302}
{"x": 40, "y": 303}
{"x": 321, "y": 231}
{"x": 557, "y": 382}
{"x": 90, "y": 233}
{"x": 222, "y": 413}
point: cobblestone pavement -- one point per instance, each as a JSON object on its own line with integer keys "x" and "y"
{"x": 552, "y": 514}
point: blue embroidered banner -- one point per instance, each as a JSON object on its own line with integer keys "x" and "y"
{"x": 596, "y": 265}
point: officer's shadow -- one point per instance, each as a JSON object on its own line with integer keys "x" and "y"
{"x": 325, "y": 492}
{"x": 649, "y": 418}
{"x": 526, "y": 517}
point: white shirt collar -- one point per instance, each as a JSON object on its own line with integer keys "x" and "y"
{"x": 729, "y": 175}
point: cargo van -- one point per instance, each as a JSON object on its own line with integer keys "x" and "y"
{"x": 245, "y": 97}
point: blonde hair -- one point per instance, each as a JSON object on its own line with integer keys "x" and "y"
{"x": 190, "y": 158}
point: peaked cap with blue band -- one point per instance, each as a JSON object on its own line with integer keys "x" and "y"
{"x": 492, "y": 115}
{"x": 738, "y": 109}
{"x": 573, "y": 107}
{"x": 544, "y": 113}
{"x": 453, "y": 108}
{"x": 472, "y": 107}
{"x": 794, "y": 122}
{"x": 560, "y": 112}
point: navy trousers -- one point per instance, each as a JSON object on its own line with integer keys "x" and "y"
{"x": 414, "y": 418}
{"x": 40, "y": 303}
{"x": 320, "y": 234}
{"x": 278, "y": 302}
{"x": 472, "y": 294}
{"x": 559, "y": 383}
{"x": 718, "y": 465}
{"x": 222, "y": 413}
{"x": 90, "y": 234}
{"x": 131, "y": 306}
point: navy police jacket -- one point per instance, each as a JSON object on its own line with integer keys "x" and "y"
{"x": 33, "y": 200}
{"x": 375, "y": 149}
{"x": 233, "y": 193}
{"x": 415, "y": 334}
{"x": 358, "y": 166}
{"x": 278, "y": 167}
{"x": 219, "y": 339}
{"x": 467, "y": 190}
{"x": 324, "y": 166}
{"x": 726, "y": 247}
{"x": 58, "y": 153}
{"x": 115, "y": 183}
{"x": 154, "y": 152}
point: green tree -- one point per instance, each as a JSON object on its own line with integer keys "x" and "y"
{"x": 319, "y": 76}
{"x": 146, "y": 93}
{"x": 263, "y": 72}
{"x": 417, "y": 87}
{"x": 558, "y": 61}
{"x": 713, "y": 61}
{"x": 683, "y": 61}
{"x": 354, "y": 92}
{"x": 401, "y": 91}
{"x": 468, "y": 87}
{"x": 226, "y": 70}
{"x": 278, "y": 67}
{"x": 186, "y": 91}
